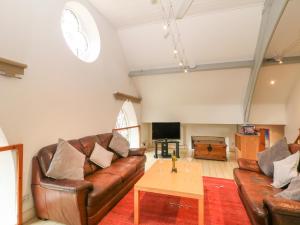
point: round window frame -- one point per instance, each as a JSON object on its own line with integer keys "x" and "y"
{"x": 88, "y": 28}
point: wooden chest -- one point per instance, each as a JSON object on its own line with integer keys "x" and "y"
{"x": 210, "y": 149}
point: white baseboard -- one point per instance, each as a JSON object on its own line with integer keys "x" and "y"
{"x": 28, "y": 215}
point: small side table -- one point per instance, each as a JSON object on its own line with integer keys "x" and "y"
{"x": 165, "y": 148}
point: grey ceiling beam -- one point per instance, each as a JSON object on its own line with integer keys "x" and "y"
{"x": 285, "y": 60}
{"x": 272, "y": 12}
{"x": 202, "y": 67}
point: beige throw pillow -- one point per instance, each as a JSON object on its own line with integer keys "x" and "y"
{"x": 285, "y": 170}
{"x": 101, "y": 157}
{"x": 119, "y": 144}
{"x": 67, "y": 162}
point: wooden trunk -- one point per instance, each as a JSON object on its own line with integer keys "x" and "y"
{"x": 215, "y": 151}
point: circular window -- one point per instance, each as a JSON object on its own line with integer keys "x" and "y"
{"x": 80, "y": 32}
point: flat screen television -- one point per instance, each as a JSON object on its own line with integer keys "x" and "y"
{"x": 165, "y": 131}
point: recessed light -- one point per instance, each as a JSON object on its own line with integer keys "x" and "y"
{"x": 272, "y": 82}
{"x": 175, "y": 51}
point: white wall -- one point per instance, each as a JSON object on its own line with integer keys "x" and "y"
{"x": 268, "y": 114}
{"x": 59, "y": 96}
{"x": 293, "y": 114}
{"x": 188, "y": 130}
{"x": 208, "y": 97}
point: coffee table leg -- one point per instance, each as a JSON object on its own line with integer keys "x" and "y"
{"x": 136, "y": 206}
{"x": 201, "y": 211}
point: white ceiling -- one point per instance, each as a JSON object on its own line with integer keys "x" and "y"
{"x": 122, "y": 13}
{"x": 287, "y": 32}
{"x": 285, "y": 76}
{"x": 221, "y": 36}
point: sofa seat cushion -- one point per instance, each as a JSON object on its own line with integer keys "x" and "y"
{"x": 103, "y": 183}
{"x": 253, "y": 196}
{"x": 245, "y": 177}
{"x": 137, "y": 161}
{"x": 124, "y": 170}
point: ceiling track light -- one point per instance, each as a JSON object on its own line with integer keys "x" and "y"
{"x": 172, "y": 31}
{"x": 165, "y": 26}
{"x": 278, "y": 59}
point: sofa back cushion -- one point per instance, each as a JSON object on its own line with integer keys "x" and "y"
{"x": 88, "y": 144}
{"x": 294, "y": 148}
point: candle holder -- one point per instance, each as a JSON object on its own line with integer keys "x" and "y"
{"x": 174, "y": 159}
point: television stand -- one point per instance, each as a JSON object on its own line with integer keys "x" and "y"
{"x": 165, "y": 148}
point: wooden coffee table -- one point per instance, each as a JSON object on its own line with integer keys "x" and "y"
{"x": 187, "y": 182}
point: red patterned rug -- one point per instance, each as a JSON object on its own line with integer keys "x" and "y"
{"x": 222, "y": 207}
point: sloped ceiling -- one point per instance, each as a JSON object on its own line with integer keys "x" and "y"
{"x": 285, "y": 76}
{"x": 286, "y": 39}
{"x": 217, "y": 37}
{"x": 269, "y": 101}
{"x": 213, "y": 31}
{"x": 126, "y": 13}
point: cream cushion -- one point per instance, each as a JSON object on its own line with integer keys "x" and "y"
{"x": 285, "y": 170}
{"x": 67, "y": 162}
{"x": 101, "y": 157}
{"x": 293, "y": 190}
{"x": 119, "y": 144}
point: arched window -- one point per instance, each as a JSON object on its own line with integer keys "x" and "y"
{"x": 127, "y": 118}
{"x": 73, "y": 33}
{"x": 80, "y": 32}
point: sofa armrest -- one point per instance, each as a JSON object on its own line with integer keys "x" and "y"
{"x": 283, "y": 206}
{"x": 137, "y": 151}
{"x": 248, "y": 164}
{"x": 66, "y": 185}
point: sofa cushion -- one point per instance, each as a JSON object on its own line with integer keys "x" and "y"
{"x": 123, "y": 170}
{"x": 103, "y": 183}
{"x": 285, "y": 170}
{"x": 67, "y": 162}
{"x": 245, "y": 177}
{"x": 137, "y": 161}
{"x": 104, "y": 140}
{"x": 101, "y": 156}
{"x": 278, "y": 151}
{"x": 253, "y": 196}
{"x": 119, "y": 144}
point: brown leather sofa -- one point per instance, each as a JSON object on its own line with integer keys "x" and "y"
{"x": 257, "y": 195}
{"x": 84, "y": 202}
